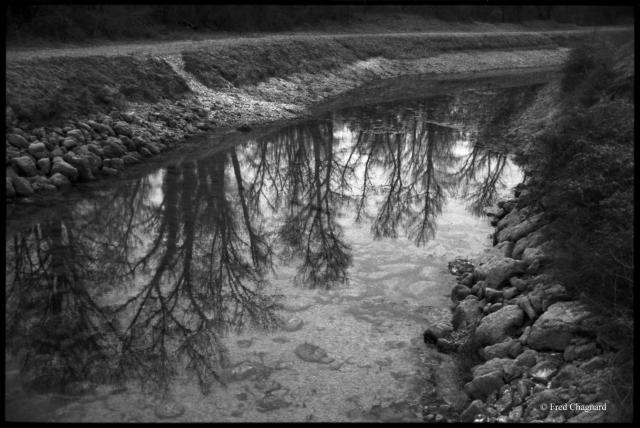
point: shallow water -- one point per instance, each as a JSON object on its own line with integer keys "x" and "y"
{"x": 288, "y": 278}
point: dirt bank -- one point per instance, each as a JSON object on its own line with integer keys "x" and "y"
{"x": 82, "y": 114}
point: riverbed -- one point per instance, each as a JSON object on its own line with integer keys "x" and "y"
{"x": 287, "y": 277}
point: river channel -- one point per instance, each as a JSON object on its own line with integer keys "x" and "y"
{"x": 287, "y": 277}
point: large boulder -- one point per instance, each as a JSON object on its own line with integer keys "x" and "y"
{"x": 26, "y": 165}
{"x": 497, "y": 271}
{"x": 499, "y": 325}
{"x": 559, "y": 324}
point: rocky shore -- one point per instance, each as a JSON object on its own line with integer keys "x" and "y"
{"x": 530, "y": 352}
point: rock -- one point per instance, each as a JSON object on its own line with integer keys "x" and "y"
{"x": 553, "y": 293}
{"x": 510, "y": 293}
{"x": 513, "y": 217}
{"x": 497, "y": 271}
{"x": 310, "y": 353}
{"x": 543, "y": 371}
{"x": 95, "y": 149}
{"x": 95, "y": 162}
{"x": 524, "y": 303}
{"x": 101, "y": 128}
{"x": 460, "y": 266}
{"x": 499, "y": 325}
{"x": 492, "y": 295}
{"x": 494, "y": 211}
{"x": 18, "y": 141}
{"x": 531, "y": 255}
{"x": 567, "y": 375}
{"x": 269, "y": 403}
{"x": 538, "y": 405}
{"x": 11, "y": 191}
{"x": 473, "y": 411}
{"x": 116, "y": 164}
{"x": 483, "y": 385}
{"x": 519, "y": 230}
{"x": 22, "y": 186}
{"x": 59, "y": 180}
{"x": 44, "y": 165}
{"x": 146, "y": 153}
{"x": 498, "y": 350}
{"x": 169, "y": 410}
{"x": 596, "y": 363}
{"x": 561, "y": 322}
{"x": 518, "y": 283}
{"x": 128, "y": 143}
{"x": 131, "y": 158}
{"x": 494, "y": 307}
{"x": 505, "y": 248}
{"x": 527, "y": 358}
{"x": 69, "y": 143}
{"x": 580, "y": 352}
{"x": 505, "y": 401}
{"x": 242, "y": 371}
{"x": 38, "y": 150}
{"x": 123, "y": 128}
{"x": 65, "y": 169}
{"x": 515, "y": 415}
{"x": 109, "y": 171}
{"x": 459, "y": 292}
{"x": 244, "y": 343}
{"x": 81, "y": 164}
{"x": 467, "y": 279}
{"x": 77, "y": 135}
{"x": 113, "y": 148}
{"x": 42, "y": 184}
{"x": 291, "y": 324}
{"x": 25, "y": 165}
{"x": 437, "y": 330}
{"x": 466, "y": 314}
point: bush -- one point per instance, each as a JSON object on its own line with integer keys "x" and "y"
{"x": 584, "y": 174}
{"x": 587, "y": 71}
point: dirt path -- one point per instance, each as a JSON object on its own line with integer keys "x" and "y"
{"x": 167, "y": 48}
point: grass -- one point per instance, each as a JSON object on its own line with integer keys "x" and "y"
{"x": 41, "y": 91}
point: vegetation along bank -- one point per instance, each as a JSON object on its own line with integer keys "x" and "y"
{"x": 542, "y": 325}
{"x": 77, "y": 115}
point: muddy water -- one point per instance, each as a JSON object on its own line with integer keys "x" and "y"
{"x": 288, "y": 278}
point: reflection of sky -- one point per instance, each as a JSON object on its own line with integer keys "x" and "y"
{"x": 156, "y": 195}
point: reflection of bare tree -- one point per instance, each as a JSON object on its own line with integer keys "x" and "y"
{"x": 62, "y": 333}
{"x": 413, "y": 155}
{"x": 195, "y": 273}
{"x": 480, "y": 177}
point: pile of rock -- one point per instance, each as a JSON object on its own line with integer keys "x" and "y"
{"x": 45, "y": 159}
{"x": 540, "y": 348}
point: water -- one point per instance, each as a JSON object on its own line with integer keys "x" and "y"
{"x": 286, "y": 278}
